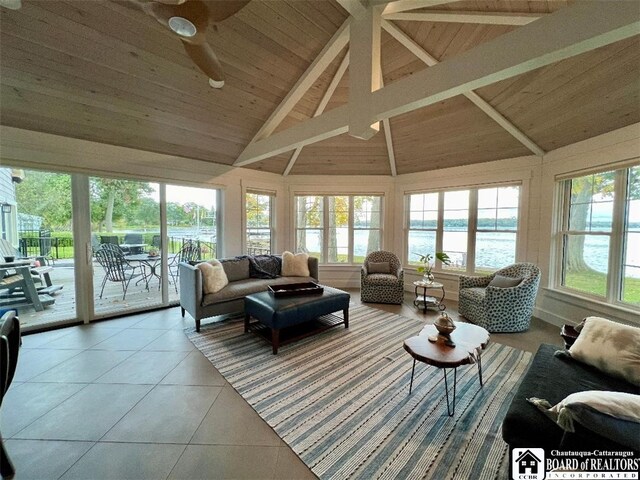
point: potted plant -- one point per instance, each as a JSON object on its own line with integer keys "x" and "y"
{"x": 428, "y": 262}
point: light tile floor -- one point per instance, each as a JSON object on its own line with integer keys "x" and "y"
{"x": 132, "y": 398}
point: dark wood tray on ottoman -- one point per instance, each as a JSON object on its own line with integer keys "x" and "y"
{"x": 290, "y": 289}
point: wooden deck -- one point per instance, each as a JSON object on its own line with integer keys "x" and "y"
{"x": 111, "y": 304}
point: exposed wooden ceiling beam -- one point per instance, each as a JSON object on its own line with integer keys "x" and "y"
{"x": 500, "y": 119}
{"x": 488, "y": 18}
{"x": 354, "y": 7}
{"x": 403, "y": 5}
{"x": 308, "y": 78}
{"x": 321, "y": 106}
{"x": 570, "y": 31}
{"x": 389, "y": 140}
{"x": 364, "y": 74}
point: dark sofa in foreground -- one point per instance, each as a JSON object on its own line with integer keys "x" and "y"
{"x": 554, "y": 378}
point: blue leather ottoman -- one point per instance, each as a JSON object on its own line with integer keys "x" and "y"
{"x": 278, "y": 313}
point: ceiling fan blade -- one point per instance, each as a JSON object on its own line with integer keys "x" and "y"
{"x": 222, "y": 9}
{"x": 204, "y": 57}
{"x": 171, "y": 2}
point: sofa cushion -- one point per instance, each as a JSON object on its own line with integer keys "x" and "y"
{"x": 242, "y": 288}
{"x": 504, "y": 282}
{"x": 236, "y": 268}
{"x": 609, "y": 346}
{"x": 381, "y": 279}
{"x": 552, "y": 378}
{"x": 614, "y": 415}
{"x": 214, "y": 278}
{"x": 295, "y": 265}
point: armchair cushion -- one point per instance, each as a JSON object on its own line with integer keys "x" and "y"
{"x": 381, "y": 279}
{"x": 504, "y": 282}
{"x": 379, "y": 267}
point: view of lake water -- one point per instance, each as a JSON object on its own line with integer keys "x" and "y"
{"x": 495, "y": 249}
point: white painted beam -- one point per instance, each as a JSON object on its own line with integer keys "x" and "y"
{"x": 321, "y": 106}
{"x": 568, "y": 32}
{"x": 500, "y": 119}
{"x": 404, "y": 5}
{"x": 354, "y": 7}
{"x": 389, "y": 140}
{"x": 330, "y": 124}
{"x": 308, "y": 78}
{"x": 364, "y": 74}
{"x": 488, "y": 18}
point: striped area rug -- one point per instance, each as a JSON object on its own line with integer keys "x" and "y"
{"x": 341, "y": 399}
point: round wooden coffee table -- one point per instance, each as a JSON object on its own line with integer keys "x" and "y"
{"x": 469, "y": 341}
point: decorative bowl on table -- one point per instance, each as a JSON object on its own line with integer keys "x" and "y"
{"x": 9, "y": 259}
{"x": 444, "y": 324}
{"x": 153, "y": 253}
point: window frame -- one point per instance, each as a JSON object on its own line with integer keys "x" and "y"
{"x": 617, "y": 236}
{"x": 472, "y": 225}
{"x": 271, "y": 227}
{"x": 324, "y": 228}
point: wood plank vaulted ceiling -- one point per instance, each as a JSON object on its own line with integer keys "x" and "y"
{"x": 105, "y": 71}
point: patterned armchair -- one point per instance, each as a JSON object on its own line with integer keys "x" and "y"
{"x": 380, "y": 287}
{"x": 500, "y": 309}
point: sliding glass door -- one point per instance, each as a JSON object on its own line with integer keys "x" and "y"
{"x": 125, "y": 244}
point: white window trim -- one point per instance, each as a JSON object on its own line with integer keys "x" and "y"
{"x": 616, "y": 236}
{"x": 272, "y": 212}
{"x": 472, "y": 229}
{"x": 325, "y": 225}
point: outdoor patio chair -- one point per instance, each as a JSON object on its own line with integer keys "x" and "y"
{"x": 156, "y": 241}
{"x": 116, "y": 268}
{"x": 110, "y": 239}
{"x": 8, "y": 250}
{"x": 190, "y": 252}
{"x": 9, "y": 347}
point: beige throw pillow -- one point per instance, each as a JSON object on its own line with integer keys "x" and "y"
{"x": 295, "y": 265}
{"x": 213, "y": 277}
{"x": 611, "y": 347}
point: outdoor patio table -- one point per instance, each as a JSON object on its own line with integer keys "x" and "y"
{"x": 23, "y": 267}
{"x": 150, "y": 261}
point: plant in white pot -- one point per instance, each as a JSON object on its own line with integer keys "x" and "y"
{"x": 428, "y": 262}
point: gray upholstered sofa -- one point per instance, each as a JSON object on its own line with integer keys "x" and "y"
{"x": 231, "y": 298}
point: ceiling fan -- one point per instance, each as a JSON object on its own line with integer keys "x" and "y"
{"x": 189, "y": 20}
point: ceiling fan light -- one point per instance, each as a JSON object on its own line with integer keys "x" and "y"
{"x": 182, "y": 27}
{"x": 216, "y": 83}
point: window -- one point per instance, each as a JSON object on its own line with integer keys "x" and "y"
{"x": 456, "y": 227}
{"x": 338, "y": 228}
{"x": 599, "y": 234}
{"x": 423, "y": 224}
{"x": 258, "y": 223}
{"x": 631, "y": 273}
{"x": 477, "y": 228}
{"x": 497, "y": 227}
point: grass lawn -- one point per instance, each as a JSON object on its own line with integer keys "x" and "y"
{"x": 596, "y": 283}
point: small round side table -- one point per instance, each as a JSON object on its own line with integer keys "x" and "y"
{"x": 427, "y": 301}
